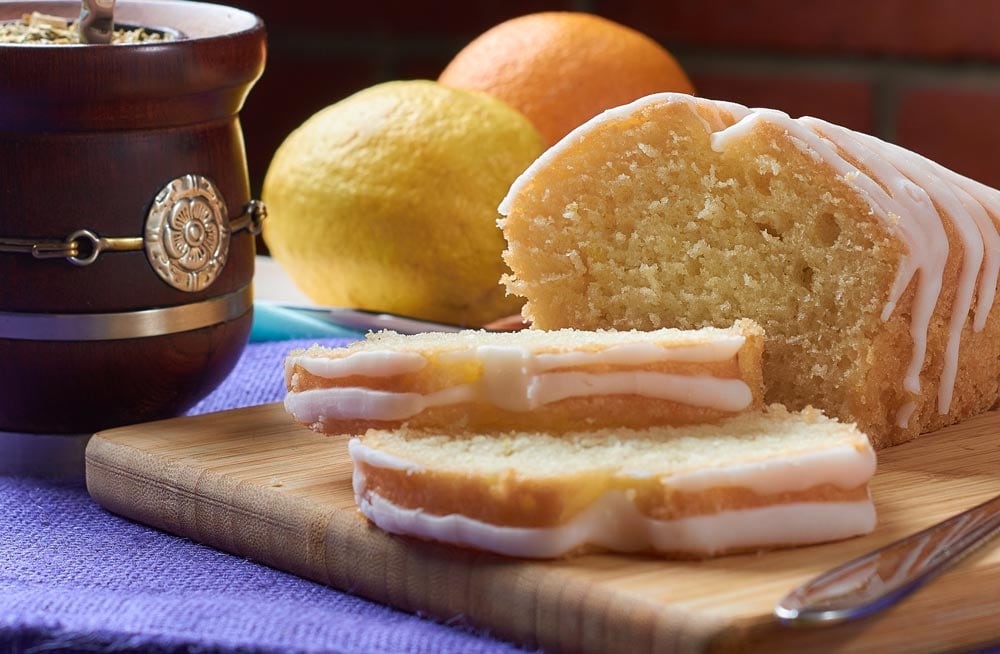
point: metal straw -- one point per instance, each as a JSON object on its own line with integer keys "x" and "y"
{"x": 97, "y": 22}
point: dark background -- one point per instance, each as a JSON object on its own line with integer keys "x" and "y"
{"x": 921, "y": 73}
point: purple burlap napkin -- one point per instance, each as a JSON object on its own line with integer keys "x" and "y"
{"x": 76, "y": 578}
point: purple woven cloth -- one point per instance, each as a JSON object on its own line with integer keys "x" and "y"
{"x": 76, "y": 578}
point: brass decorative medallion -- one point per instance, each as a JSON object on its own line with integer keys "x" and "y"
{"x": 187, "y": 233}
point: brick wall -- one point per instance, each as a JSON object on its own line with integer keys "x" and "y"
{"x": 922, "y": 73}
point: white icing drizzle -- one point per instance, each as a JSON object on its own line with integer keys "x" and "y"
{"x": 692, "y": 390}
{"x": 516, "y": 392}
{"x": 376, "y": 363}
{"x": 514, "y": 378}
{"x": 905, "y": 191}
{"x": 923, "y": 234}
{"x": 507, "y": 375}
{"x": 989, "y": 201}
{"x": 614, "y": 523}
{"x": 965, "y": 226}
{"x": 905, "y": 413}
{"x": 385, "y": 363}
{"x": 637, "y": 354}
{"x": 377, "y": 459}
{"x": 714, "y": 107}
{"x": 845, "y": 467}
{"x": 986, "y": 291}
{"x": 315, "y": 405}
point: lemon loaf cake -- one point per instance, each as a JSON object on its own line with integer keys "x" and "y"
{"x": 872, "y": 270}
{"x": 758, "y": 480}
{"x": 546, "y": 381}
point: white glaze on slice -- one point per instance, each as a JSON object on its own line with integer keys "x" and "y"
{"x": 388, "y": 362}
{"x": 614, "y": 523}
{"x": 360, "y": 452}
{"x": 376, "y": 363}
{"x": 845, "y": 467}
{"x": 316, "y": 405}
{"x": 691, "y": 390}
{"x": 515, "y": 392}
{"x": 516, "y": 378}
{"x": 722, "y": 348}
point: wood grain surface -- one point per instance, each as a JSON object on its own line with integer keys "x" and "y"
{"x": 252, "y": 483}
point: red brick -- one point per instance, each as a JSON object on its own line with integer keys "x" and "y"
{"x": 931, "y": 28}
{"x": 295, "y": 86}
{"x": 845, "y": 102}
{"x": 957, "y": 128}
{"x": 402, "y": 17}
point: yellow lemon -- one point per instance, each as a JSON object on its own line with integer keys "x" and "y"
{"x": 387, "y": 201}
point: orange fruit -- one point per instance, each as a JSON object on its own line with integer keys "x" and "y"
{"x": 562, "y": 68}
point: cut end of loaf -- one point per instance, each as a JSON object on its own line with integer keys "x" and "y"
{"x": 642, "y": 219}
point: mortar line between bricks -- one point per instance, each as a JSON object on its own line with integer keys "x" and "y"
{"x": 970, "y": 75}
{"x": 885, "y": 100}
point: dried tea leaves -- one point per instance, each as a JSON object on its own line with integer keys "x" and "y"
{"x": 42, "y": 29}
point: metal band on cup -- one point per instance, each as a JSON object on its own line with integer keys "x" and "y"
{"x": 186, "y": 237}
{"x": 125, "y": 324}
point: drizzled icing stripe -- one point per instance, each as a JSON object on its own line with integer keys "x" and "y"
{"x": 906, "y": 192}
{"x": 388, "y": 363}
{"x": 925, "y": 238}
{"x": 612, "y": 522}
{"x": 714, "y": 107}
{"x": 989, "y": 201}
{"x": 520, "y": 394}
{"x": 930, "y": 191}
{"x": 972, "y": 253}
{"x": 365, "y": 364}
{"x": 920, "y": 194}
{"x": 917, "y": 194}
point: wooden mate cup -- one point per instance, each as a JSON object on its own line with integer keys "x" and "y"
{"x": 126, "y": 223}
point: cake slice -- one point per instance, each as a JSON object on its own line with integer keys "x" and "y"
{"x": 872, "y": 270}
{"x": 754, "y": 481}
{"x": 531, "y": 380}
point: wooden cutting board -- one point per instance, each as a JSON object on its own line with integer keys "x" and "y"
{"x": 250, "y": 482}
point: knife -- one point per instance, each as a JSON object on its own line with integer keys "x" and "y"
{"x": 881, "y": 578}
